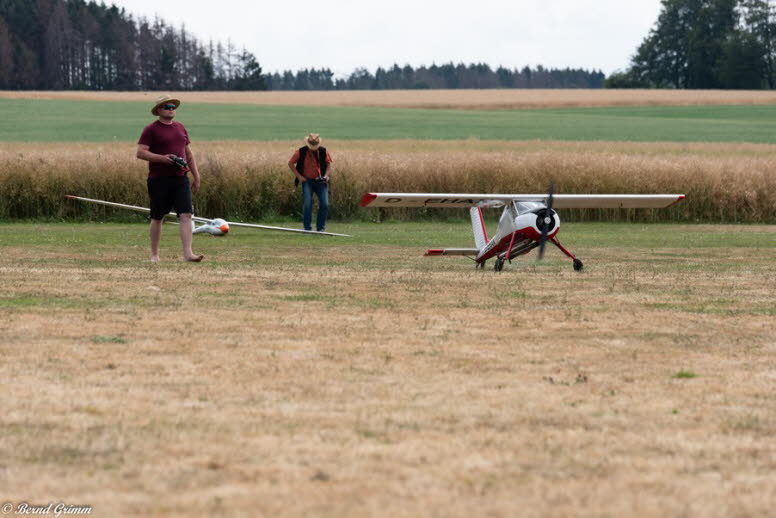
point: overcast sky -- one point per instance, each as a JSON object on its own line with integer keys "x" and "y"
{"x": 345, "y": 34}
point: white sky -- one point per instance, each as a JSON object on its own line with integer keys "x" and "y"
{"x": 345, "y": 34}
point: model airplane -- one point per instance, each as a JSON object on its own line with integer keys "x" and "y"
{"x": 214, "y": 227}
{"x": 527, "y": 222}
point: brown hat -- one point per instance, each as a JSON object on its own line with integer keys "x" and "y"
{"x": 313, "y": 141}
{"x": 164, "y": 100}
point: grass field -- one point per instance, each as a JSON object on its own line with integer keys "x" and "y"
{"x": 100, "y": 121}
{"x": 297, "y": 375}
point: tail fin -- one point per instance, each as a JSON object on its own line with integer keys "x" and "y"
{"x": 478, "y": 227}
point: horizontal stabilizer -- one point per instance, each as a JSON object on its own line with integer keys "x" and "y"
{"x": 560, "y": 201}
{"x": 452, "y": 251}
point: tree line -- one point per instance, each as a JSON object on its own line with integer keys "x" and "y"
{"x": 83, "y": 45}
{"x": 708, "y": 44}
{"x": 80, "y": 45}
{"x": 451, "y": 76}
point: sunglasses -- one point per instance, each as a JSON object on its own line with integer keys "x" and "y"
{"x": 169, "y": 106}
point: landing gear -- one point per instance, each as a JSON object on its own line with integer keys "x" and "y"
{"x": 498, "y": 265}
{"x": 577, "y": 263}
{"x": 480, "y": 266}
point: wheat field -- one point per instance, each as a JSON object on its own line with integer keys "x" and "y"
{"x": 251, "y": 181}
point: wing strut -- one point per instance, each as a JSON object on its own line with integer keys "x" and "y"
{"x": 511, "y": 243}
{"x": 547, "y": 221}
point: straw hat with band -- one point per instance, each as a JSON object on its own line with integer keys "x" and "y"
{"x": 165, "y": 99}
{"x": 313, "y": 141}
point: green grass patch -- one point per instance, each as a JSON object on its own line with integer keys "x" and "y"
{"x": 108, "y": 340}
{"x": 97, "y": 121}
{"x": 45, "y": 240}
{"x": 684, "y": 374}
{"x": 37, "y": 301}
{"x": 396, "y": 250}
{"x": 305, "y": 297}
{"x": 520, "y": 295}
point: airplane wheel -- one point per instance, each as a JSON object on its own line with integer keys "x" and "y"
{"x": 578, "y": 265}
{"x": 498, "y": 265}
{"x": 479, "y": 265}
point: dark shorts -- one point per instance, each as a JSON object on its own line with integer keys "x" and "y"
{"x": 167, "y": 193}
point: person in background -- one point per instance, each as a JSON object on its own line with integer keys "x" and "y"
{"x": 165, "y": 145}
{"x": 312, "y": 166}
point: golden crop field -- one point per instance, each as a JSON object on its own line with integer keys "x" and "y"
{"x": 467, "y": 99}
{"x": 723, "y": 182}
{"x": 295, "y": 376}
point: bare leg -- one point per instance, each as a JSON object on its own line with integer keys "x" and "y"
{"x": 156, "y": 234}
{"x": 185, "y": 220}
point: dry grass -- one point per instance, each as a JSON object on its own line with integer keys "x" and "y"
{"x": 723, "y": 182}
{"x": 387, "y": 384}
{"x": 465, "y": 99}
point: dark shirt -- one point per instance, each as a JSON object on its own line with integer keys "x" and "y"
{"x": 165, "y": 139}
{"x": 311, "y": 168}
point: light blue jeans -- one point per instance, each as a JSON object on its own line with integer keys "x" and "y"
{"x": 321, "y": 190}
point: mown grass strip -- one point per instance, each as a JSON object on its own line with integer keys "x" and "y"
{"x": 95, "y": 121}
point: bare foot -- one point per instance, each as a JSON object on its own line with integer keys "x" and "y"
{"x": 195, "y": 258}
{"x": 154, "y": 259}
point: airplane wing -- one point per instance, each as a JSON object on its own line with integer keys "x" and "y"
{"x": 110, "y": 203}
{"x": 204, "y": 220}
{"x": 130, "y": 207}
{"x": 283, "y": 229}
{"x": 560, "y": 201}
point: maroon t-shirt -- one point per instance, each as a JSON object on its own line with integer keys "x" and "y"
{"x": 165, "y": 139}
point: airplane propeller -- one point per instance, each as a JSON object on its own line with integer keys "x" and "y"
{"x": 547, "y": 221}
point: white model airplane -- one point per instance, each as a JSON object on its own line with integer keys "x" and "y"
{"x": 214, "y": 227}
{"x": 528, "y": 220}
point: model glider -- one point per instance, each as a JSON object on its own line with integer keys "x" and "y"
{"x": 527, "y": 222}
{"x": 214, "y": 227}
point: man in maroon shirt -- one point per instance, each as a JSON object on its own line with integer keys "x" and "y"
{"x": 311, "y": 164}
{"x": 165, "y": 145}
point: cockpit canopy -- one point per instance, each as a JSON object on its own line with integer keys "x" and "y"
{"x": 525, "y": 207}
